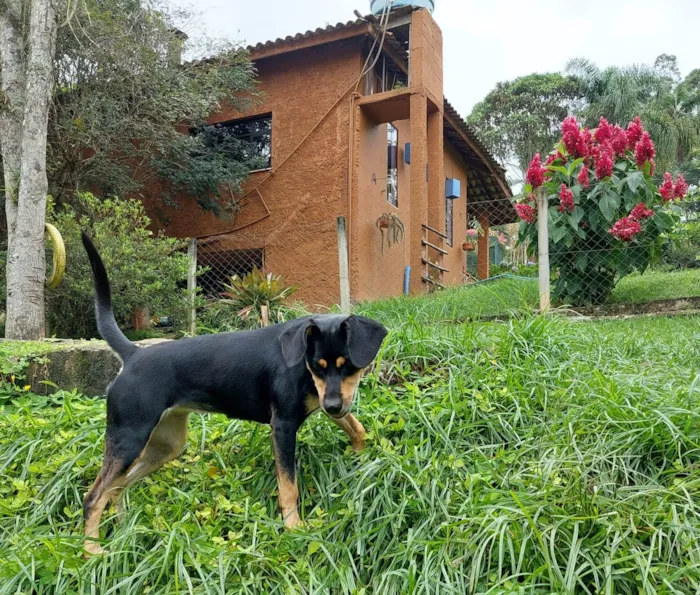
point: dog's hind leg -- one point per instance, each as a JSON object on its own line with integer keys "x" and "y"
{"x": 166, "y": 443}
{"x": 130, "y": 454}
{"x": 353, "y": 429}
{"x": 108, "y": 483}
{"x": 284, "y": 436}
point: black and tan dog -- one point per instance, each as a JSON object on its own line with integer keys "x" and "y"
{"x": 277, "y": 375}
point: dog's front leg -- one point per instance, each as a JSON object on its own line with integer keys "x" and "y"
{"x": 284, "y": 438}
{"x": 354, "y": 430}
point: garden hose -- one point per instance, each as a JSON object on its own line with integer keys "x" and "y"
{"x": 59, "y": 257}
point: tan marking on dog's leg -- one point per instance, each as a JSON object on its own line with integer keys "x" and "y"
{"x": 117, "y": 499}
{"x": 288, "y": 492}
{"x": 109, "y": 478}
{"x": 166, "y": 443}
{"x": 354, "y": 430}
{"x": 288, "y": 499}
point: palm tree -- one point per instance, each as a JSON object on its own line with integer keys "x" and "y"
{"x": 667, "y": 106}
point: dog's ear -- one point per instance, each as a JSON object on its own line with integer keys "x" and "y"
{"x": 365, "y": 337}
{"x": 294, "y": 341}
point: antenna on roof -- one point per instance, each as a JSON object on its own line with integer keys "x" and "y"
{"x": 358, "y": 14}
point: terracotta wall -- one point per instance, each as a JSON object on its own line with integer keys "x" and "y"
{"x": 426, "y": 55}
{"x": 456, "y": 261}
{"x": 380, "y": 274}
{"x": 306, "y": 196}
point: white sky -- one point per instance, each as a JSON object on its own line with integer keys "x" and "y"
{"x": 487, "y": 41}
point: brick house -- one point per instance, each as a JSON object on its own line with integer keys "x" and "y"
{"x": 342, "y": 144}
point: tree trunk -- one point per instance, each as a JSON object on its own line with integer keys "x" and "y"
{"x": 12, "y": 90}
{"x": 26, "y": 266}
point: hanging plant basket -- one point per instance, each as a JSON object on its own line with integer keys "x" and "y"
{"x": 468, "y": 246}
{"x": 393, "y": 227}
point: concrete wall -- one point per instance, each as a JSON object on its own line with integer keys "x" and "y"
{"x": 306, "y": 196}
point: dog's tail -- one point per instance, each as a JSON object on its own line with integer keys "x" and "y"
{"x": 106, "y": 324}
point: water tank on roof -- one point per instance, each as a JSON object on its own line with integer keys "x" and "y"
{"x": 377, "y": 6}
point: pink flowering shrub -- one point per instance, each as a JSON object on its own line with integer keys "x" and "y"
{"x": 607, "y": 217}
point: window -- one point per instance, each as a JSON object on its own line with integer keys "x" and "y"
{"x": 255, "y": 134}
{"x": 392, "y": 175}
{"x": 449, "y": 217}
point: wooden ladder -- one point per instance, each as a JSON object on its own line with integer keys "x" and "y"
{"x": 434, "y": 274}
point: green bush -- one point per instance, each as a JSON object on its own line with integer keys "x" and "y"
{"x": 243, "y": 302}
{"x": 606, "y": 216}
{"x": 145, "y": 270}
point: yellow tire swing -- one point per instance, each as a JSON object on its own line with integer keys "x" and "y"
{"x": 59, "y": 257}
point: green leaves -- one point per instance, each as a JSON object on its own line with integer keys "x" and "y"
{"x": 609, "y": 205}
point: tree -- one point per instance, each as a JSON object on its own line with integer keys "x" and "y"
{"x": 121, "y": 91}
{"x": 520, "y": 118}
{"x": 124, "y": 112}
{"x": 657, "y": 94}
{"x": 26, "y": 54}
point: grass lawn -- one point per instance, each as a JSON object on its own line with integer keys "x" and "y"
{"x": 535, "y": 456}
{"x": 655, "y": 285}
{"x": 503, "y": 296}
{"x": 495, "y": 298}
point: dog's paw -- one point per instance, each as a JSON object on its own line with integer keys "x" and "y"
{"x": 358, "y": 445}
{"x": 292, "y": 521}
{"x": 92, "y": 548}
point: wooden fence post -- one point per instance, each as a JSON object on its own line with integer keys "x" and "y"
{"x": 192, "y": 285}
{"x": 543, "y": 249}
{"x": 343, "y": 266}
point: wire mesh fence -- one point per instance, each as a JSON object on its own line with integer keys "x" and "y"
{"x": 217, "y": 264}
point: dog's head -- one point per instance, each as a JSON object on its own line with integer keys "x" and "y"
{"x": 336, "y": 350}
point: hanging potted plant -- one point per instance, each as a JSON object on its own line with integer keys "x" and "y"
{"x": 475, "y": 230}
{"x": 470, "y": 244}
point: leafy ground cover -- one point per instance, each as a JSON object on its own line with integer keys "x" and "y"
{"x": 534, "y": 456}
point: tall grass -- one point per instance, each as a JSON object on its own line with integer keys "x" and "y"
{"x": 535, "y": 456}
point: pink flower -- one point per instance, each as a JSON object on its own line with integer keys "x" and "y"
{"x": 681, "y": 188}
{"x": 566, "y": 200}
{"x": 526, "y": 213}
{"x": 535, "y": 173}
{"x": 604, "y": 134}
{"x": 667, "y": 190}
{"x": 472, "y": 233}
{"x": 585, "y": 143}
{"x": 501, "y": 238}
{"x": 619, "y": 140}
{"x": 583, "y": 178}
{"x": 554, "y": 157}
{"x": 604, "y": 165}
{"x": 571, "y": 135}
{"x": 641, "y": 212}
{"x": 626, "y": 229}
{"x": 644, "y": 150}
{"x": 634, "y": 133}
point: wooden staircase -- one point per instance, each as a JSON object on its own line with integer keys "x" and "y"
{"x": 432, "y": 255}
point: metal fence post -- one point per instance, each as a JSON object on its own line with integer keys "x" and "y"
{"x": 543, "y": 249}
{"x": 192, "y": 285}
{"x": 343, "y": 266}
